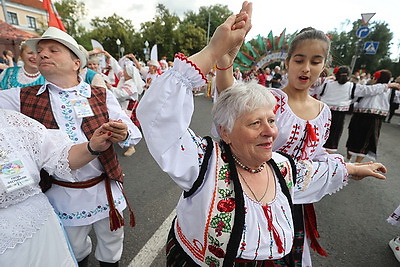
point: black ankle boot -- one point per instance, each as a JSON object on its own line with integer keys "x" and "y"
{"x": 84, "y": 262}
{"x": 107, "y": 264}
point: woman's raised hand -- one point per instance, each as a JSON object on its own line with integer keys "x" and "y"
{"x": 226, "y": 41}
{"x": 229, "y": 36}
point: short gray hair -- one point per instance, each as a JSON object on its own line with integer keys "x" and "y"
{"x": 236, "y": 100}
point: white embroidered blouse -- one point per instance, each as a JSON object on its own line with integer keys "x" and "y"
{"x": 29, "y": 146}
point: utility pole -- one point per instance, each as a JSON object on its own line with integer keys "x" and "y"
{"x": 208, "y": 28}
{"x": 361, "y": 33}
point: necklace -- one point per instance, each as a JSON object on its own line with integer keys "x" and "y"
{"x": 30, "y": 75}
{"x": 259, "y": 169}
{"x": 254, "y": 195}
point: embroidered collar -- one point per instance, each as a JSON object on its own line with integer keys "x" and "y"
{"x": 82, "y": 88}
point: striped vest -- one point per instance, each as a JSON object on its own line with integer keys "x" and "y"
{"x": 39, "y": 108}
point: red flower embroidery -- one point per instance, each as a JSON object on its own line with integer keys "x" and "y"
{"x": 226, "y": 205}
{"x": 284, "y": 171}
{"x": 218, "y": 252}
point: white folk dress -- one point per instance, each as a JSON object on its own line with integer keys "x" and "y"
{"x": 30, "y": 233}
{"x": 165, "y": 113}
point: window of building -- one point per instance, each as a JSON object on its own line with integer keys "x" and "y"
{"x": 31, "y": 22}
{"x": 12, "y": 18}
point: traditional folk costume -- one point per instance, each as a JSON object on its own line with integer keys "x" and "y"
{"x": 365, "y": 124}
{"x": 98, "y": 197}
{"x": 128, "y": 92}
{"x": 18, "y": 77}
{"x": 339, "y": 97}
{"x": 30, "y": 232}
{"x": 217, "y": 224}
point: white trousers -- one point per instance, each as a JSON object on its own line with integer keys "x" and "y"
{"x": 109, "y": 243}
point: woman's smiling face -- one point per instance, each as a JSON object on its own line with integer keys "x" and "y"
{"x": 252, "y": 136}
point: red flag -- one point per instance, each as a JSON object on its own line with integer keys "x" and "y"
{"x": 54, "y": 20}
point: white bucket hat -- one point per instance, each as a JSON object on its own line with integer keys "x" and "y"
{"x": 153, "y": 63}
{"x": 64, "y": 38}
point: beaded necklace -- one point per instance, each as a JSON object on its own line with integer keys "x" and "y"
{"x": 30, "y": 75}
{"x": 259, "y": 169}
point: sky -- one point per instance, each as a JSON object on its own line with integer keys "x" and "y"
{"x": 267, "y": 15}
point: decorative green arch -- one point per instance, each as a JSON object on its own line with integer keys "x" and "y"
{"x": 263, "y": 51}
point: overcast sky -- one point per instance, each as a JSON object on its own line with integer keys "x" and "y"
{"x": 267, "y": 15}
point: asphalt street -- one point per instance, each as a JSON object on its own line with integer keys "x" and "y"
{"x": 352, "y": 222}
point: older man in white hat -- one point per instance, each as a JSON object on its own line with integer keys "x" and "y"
{"x": 95, "y": 200}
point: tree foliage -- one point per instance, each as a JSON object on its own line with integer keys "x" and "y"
{"x": 108, "y": 30}
{"x": 71, "y": 13}
{"x": 345, "y": 45}
{"x": 189, "y": 34}
{"x": 162, "y": 31}
{"x": 216, "y": 14}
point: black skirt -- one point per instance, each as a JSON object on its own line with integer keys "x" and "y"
{"x": 364, "y": 132}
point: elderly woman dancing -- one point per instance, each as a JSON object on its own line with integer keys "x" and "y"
{"x": 236, "y": 208}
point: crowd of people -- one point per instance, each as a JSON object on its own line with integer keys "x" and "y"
{"x": 248, "y": 193}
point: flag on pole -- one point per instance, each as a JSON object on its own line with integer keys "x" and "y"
{"x": 101, "y": 57}
{"x": 291, "y": 38}
{"x": 53, "y": 20}
{"x": 270, "y": 41}
{"x": 154, "y": 53}
{"x": 248, "y": 56}
{"x": 249, "y": 46}
{"x": 244, "y": 59}
{"x": 281, "y": 39}
{"x": 260, "y": 42}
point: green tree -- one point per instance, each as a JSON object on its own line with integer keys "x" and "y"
{"x": 216, "y": 13}
{"x": 190, "y": 39}
{"x": 162, "y": 31}
{"x": 345, "y": 45}
{"x": 107, "y": 30}
{"x": 71, "y": 13}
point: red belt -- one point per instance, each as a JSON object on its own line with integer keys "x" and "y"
{"x": 116, "y": 220}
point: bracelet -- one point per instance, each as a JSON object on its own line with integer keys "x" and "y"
{"x": 225, "y": 68}
{"x": 94, "y": 153}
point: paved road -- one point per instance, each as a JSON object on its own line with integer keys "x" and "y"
{"x": 351, "y": 222}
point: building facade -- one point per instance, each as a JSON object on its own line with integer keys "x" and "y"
{"x": 26, "y": 15}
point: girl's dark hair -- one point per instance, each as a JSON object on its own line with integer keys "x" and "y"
{"x": 384, "y": 77}
{"x": 309, "y": 33}
{"x": 343, "y": 75}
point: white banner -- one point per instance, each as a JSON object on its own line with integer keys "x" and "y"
{"x": 154, "y": 53}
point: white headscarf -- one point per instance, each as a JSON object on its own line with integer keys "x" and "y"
{"x": 133, "y": 72}
{"x": 130, "y": 69}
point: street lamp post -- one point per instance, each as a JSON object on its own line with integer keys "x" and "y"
{"x": 118, "y": 42}
{"x": 146, "y": 51}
